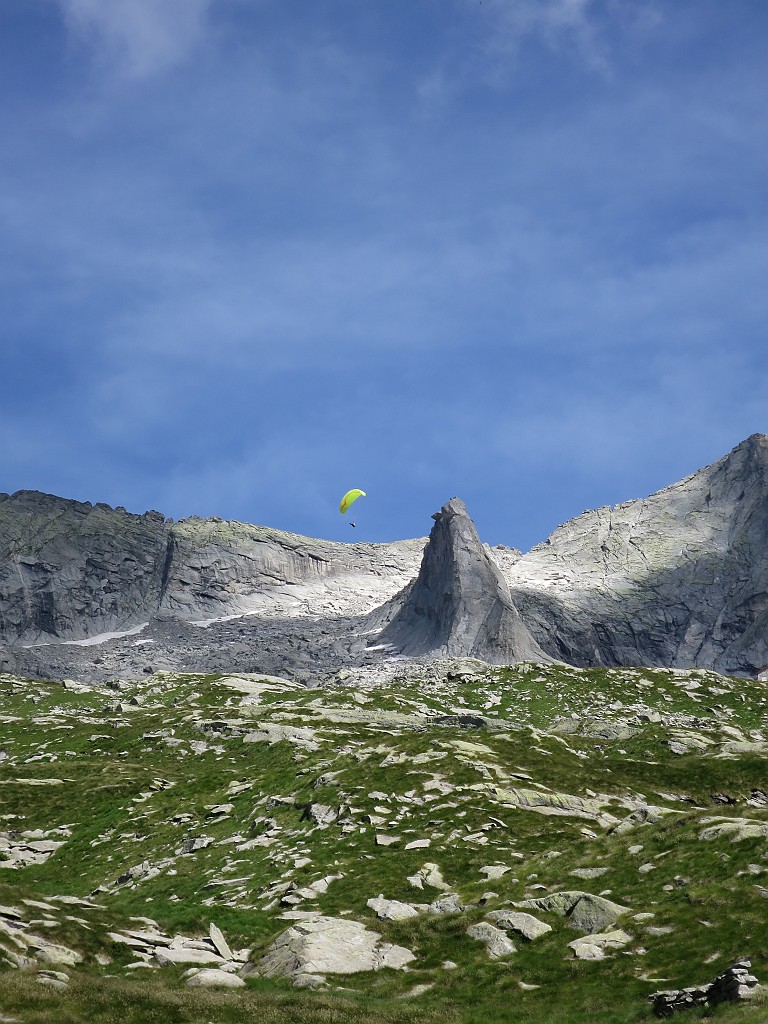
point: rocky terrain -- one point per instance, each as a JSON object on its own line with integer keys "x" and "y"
{"x": 590, "y": 844}
{"x": 71, "y": 571}
{"x": 678, "y": 579}
{"x": 246, "y": 775}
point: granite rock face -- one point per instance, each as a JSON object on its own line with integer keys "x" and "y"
{"x": 678, "y": 579}
{"x": 325, "y": 945}
{"x": 459, "y": 604}
{"x": 71, "y": 570}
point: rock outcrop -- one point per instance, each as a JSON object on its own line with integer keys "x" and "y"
{"x": 459, "y": 604}
{"x": 70, "y": 570}
{"x": 317, "y": 945}
{"x": 735, "y": 984}
{"x": 586, "y": 912}
{"x": 678, "y": 579}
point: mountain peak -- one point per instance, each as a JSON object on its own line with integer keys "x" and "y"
{"x": 459, "y": 603}
{"x": 454, "y": 507}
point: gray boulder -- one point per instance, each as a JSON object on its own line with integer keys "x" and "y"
{"x": 52, "y": 952}
{"x": 496, "y": 941}
{"x": 586, "y": 912}
{"x": 209, "y": 977}
{"x": 327, "y": 945}
{"x": 526, "y": 925}
{"x": 391, "y": 910}
{"x": 594, "y": 947}
{"x": 167, "y": 956}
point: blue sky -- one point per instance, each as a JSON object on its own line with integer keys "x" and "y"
{"x": 254, "y": 253}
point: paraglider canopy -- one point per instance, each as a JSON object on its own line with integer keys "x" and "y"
{"x": 350, "y": 498}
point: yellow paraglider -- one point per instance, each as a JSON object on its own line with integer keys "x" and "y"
{"x": 350, "y": 498}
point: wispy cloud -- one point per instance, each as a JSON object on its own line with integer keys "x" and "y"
{"x": 577, "y": 27}
{"x": 512, "y": 254}
{"x": 137, "y": 38}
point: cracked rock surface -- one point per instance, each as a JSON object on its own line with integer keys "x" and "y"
{"x": 677, "y": 579}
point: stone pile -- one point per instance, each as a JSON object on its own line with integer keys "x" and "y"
{"x": 19, "y": 947}
{"x": 154, "y": 948}
{"x": 20, "y": 849}
{"x": 733, "y": 985}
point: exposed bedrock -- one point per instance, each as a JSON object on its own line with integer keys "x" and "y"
{"x": 678, "y": 579}
{"x": 459, "y": 604}
{"x": 71, "y": 570}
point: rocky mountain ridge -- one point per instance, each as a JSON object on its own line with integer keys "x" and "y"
{"x": 678, "y": 579}
{"x": 70, "y": 570}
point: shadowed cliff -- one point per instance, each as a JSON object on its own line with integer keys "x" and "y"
{"x": 459, "y": 604}
{"x": 678, "y": 579}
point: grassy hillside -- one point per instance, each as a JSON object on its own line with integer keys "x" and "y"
{"x": 181, "y": 801}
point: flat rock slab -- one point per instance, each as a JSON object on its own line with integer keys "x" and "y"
{"x": 327, "y": 945}
{"x": 526, "y": 925}
{"x": 595, "y": 728}
{"x": 133, "y": 941}
{"x": 593, "y": 947}
{"x": 51, "y": 983}
{"x": 551, "y": 803}
{"x": 269, "y": 732}
{"x": 51, "y": 953}
{"x": 735, "y": 829}
{"x": 166, "y": 956}
{"x": 743, "y": 747}
{"x": 220, "y": 943}
{"x": 209, "y": 977}
{"x": 492, "y": 871}
{"x": 391, "y": 910}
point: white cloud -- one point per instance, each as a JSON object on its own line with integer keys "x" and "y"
{"x": 137, "y": 38}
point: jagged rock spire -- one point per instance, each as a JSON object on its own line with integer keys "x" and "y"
{"x": 459, "y": 604}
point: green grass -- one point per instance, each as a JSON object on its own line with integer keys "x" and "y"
{"x": 128, "y": 795}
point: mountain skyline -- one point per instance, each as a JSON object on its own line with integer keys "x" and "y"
{"x": 677, "y": 579}
{"x": 255, "y": 255}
